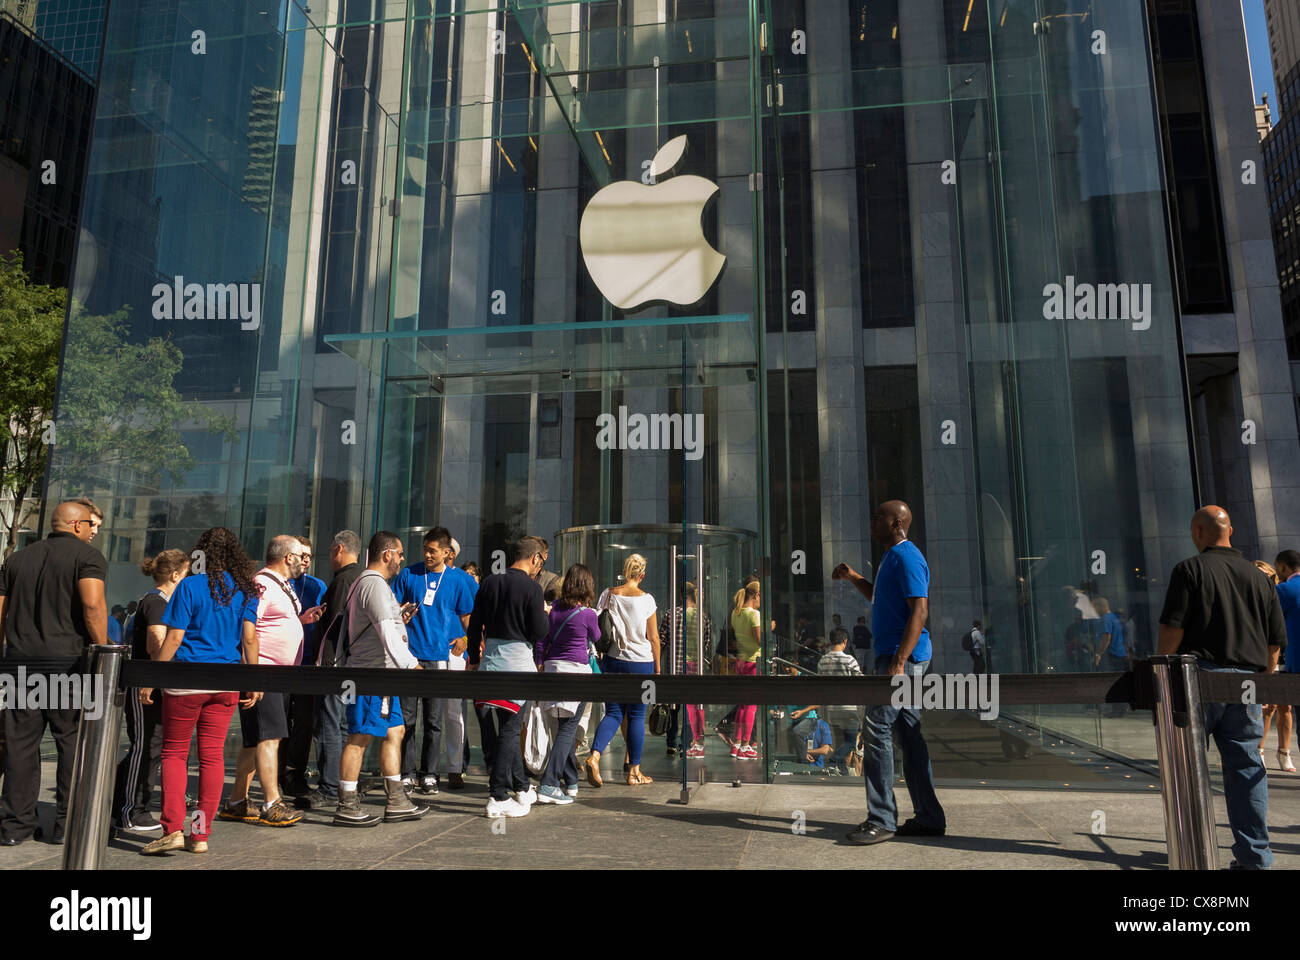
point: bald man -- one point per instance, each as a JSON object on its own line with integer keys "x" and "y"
{"x": 51, "y": 607}
{"x": 900, "y": 608}
{"x": 1220, "y": 610}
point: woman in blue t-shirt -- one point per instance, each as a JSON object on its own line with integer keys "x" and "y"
{"x": 210, "y": 618}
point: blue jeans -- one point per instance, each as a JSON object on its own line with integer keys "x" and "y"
{"x": 1237, "y": 729}
{"x": 331, "y": 731}
{"x": 561, "y": 767}
{"x": 878, "y": 728}
{"x": 614, "y": 712}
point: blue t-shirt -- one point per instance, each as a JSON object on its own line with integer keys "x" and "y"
{"x": 435, "y": 625}
{"x": 821, "y": 738}
{"x": 212, "y": 631}
{"x": 1288, "y": 593}
{"x": 310, "y": 591}
{"x": 1111, "y": 624}
{"x": 114, "y": 630}
{"x": 903, "y": 573}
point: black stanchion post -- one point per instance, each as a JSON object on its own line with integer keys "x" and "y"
{"x": 1184, "y": 769}
{"x": 94, "y": 762}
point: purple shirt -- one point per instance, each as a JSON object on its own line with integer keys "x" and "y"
{"x": 569, "y": 642}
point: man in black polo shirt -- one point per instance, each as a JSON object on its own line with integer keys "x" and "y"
{"x": 51, "y": 606}
{"x": 1220, "y": 610}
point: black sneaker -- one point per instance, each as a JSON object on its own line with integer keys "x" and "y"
{"x": 56, "y": 837}
{"x": 315, "y": 799}
{"x": 428, "y": 786}
{"x": 141, "y": 824}
{"x": 295, "y": 785}
{"x": 868, "y": 833}
{"x": 915, "y": 828}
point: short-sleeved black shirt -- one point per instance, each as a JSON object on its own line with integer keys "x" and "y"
{"x": 148, "y": 613}
{"x": 1227, "y": 609}
{"x": 43, "y": 611}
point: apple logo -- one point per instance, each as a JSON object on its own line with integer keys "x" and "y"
{"x": 644, "y": 243}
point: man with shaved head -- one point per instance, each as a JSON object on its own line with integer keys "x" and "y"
{"x": 51, "y": 607}
{"x": 900, "y": 607}
{"x": 280, "y": 621}
{"x": 1220, "y": 610}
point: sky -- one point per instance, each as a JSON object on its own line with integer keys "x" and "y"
{"x": 1261, "y": 67}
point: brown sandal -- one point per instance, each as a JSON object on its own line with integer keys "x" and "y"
{"x": 593, "y": 772}
{"x": 638, "y": 780}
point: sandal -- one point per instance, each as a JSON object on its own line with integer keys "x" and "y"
{"x": 638, "y": 780}
{"x": 593, "y": 772}
{"x": 1284, "y": 761}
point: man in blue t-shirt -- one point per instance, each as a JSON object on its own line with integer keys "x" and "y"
{"x": 900, "y": 607}
{"x": 1287, "y": 565}
{"x": 822, "y": 745}
{"x": 442, "y": 598}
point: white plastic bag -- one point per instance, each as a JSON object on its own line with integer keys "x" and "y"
{"x": 539, "y": 733}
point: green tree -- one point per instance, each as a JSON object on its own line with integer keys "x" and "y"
{"x": 31, "y": 331}
{"x": 118, "y": 406}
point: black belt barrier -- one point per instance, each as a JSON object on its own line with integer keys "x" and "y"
{"x": 1174, "y": 688}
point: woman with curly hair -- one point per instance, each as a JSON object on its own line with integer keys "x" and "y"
{"x": 210, "y": 618}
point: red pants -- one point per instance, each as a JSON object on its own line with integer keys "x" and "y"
{"x": 211, "y": 714}
{"x": 745, "y": 715}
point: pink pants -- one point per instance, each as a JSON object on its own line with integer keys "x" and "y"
{"x": 210, "y": 713}
{"x": 745, "y": 715}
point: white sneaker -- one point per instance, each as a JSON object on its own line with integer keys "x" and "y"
{"x": 528, "y": 797}
{"x": 572, "y": 791}
{"x": 506, "y": 808}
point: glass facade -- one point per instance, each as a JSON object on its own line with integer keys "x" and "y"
{"x": 441, "y": 261}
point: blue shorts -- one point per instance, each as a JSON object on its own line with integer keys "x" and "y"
{"x": 364, "y": 716}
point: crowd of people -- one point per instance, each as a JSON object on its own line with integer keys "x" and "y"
{"x": 215, "y": 606}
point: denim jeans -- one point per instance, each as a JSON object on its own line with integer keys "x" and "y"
{"x": 331, "y": 731}
{"x": 878, "y": 728}
{"x": 1237, "y": 729}
{"x": 414, "y": 766}
{"x": 507, "y": 771}
{"x": 561, "y": 767}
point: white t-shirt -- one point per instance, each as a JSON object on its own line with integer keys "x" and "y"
{"x": 630, "y": 614}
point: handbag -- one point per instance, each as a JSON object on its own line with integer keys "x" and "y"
{"x": 660, "y": 719}
{"x": 607, "y": 629}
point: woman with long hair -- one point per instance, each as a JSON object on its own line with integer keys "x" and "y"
{"x": 210, "y": 619}
{"x": 138, "y": 771}
{"x": 575, "y": 630}
{"x": 635, "y": 649}
{"x": 746, "y": 625}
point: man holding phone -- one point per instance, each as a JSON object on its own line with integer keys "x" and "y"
{"x": 437, "y": 600}
{"x": 280, "y": 620}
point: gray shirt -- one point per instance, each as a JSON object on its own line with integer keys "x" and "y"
{"x": 375, "y": 626}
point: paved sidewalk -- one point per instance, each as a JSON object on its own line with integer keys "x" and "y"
{"x": 750, "y": 827}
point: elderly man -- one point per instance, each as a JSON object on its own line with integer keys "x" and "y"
{"x": 280, "y": 621}
{"x": 1221, "y": 611}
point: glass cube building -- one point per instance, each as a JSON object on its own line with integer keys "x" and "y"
{"x": 405, "y": 260}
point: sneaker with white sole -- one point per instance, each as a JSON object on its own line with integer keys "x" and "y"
{"x": 735, "y": 751}
{"x": 548, "y": 794}
{"x": 509, "y": 807}
{"x": 528, "y": 797}
{"x": 695, "y": 751}
{"x": 747, "y": 753}
{"x": 572, "y": 791}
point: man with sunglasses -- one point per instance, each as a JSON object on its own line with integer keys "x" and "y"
{"x": 51, "y": 607}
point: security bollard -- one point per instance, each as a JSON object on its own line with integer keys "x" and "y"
{"x": 1184, "y": 769}
{"x": 94, "y": 763}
